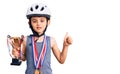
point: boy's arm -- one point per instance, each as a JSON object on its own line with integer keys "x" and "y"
{"x": 23, "y": 57}
{"x": 61, "y": 56}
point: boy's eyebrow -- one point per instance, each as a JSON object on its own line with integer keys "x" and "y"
{"x": 33, "y": 19}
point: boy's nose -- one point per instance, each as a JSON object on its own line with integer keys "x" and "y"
{"x": 38, "y": 23}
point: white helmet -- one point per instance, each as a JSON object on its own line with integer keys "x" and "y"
{"x": 38, "y": 10}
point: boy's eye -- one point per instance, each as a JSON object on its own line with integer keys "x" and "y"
{"x": 41, "y": 20}
{"x": 34, "y": 21}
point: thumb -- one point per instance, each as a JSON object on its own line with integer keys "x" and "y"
{"x": 66, "y": 35}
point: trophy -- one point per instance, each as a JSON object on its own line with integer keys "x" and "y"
{"x": 15, "y": 43}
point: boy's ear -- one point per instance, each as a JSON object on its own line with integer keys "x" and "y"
{"x": 48, "y": 22}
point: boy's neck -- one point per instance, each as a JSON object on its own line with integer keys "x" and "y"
{"x": 39, "y": 39}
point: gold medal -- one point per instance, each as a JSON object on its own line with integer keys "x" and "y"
{"x": 37, "y": 71}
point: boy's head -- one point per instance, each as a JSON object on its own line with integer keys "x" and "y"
{"x": 38, "y": 12}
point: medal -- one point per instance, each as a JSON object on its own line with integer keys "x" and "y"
{"x": 38, "y": 58}
{"x": 36, "y": 71}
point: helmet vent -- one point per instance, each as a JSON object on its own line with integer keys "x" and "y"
{"x": 36, "y": 7}
{"x": 38, "y": 10}
{"x": 31, "y": 9}
{"x": 42, "y": 9}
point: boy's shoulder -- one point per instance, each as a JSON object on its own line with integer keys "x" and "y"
{"x": 50, "y": 37}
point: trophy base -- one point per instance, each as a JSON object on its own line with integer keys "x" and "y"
{"x": 16, "y": 62}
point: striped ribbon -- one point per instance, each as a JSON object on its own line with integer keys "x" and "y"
{"x": 38, "y": 59}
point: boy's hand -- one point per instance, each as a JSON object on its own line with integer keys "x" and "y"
{"x": 15, "y": 53}
{"x": 67, "y": 40}
{"x": 16, "y": 46}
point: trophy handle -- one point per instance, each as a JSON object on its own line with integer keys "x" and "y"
{"x": 8, "y": 36}
{"x": 22, "y": 36}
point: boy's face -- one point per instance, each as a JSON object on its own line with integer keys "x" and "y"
{"x": 39, "y": 24}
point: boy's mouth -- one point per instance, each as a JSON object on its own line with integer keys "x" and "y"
{"x": 39, "y": 27}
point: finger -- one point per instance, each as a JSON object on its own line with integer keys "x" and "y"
{"x": 66, "y": 35}
{"x": 15, "y": 52}
{"x": 69, "y": 40}
{"x": 12, "y": 43}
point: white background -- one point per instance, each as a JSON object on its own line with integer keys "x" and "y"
{"x": 94, "y": 26}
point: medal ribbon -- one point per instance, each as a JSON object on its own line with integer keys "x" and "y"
{"x": 9, "y": 45}
{"x": 38, "y": 60}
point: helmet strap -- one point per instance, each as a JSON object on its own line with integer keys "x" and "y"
{"x": 35, "y": 33}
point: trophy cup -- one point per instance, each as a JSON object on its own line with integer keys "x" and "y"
{"x": 15, "y": 42}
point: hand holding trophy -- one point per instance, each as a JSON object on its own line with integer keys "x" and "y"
{"x": 14, "y": 46}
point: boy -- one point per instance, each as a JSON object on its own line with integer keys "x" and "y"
{"x": 36, "y": 48}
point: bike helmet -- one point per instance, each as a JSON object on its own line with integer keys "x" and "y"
{"x": 38, "y": 9}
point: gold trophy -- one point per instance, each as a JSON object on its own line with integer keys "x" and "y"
{"x": 15, "y": 43}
